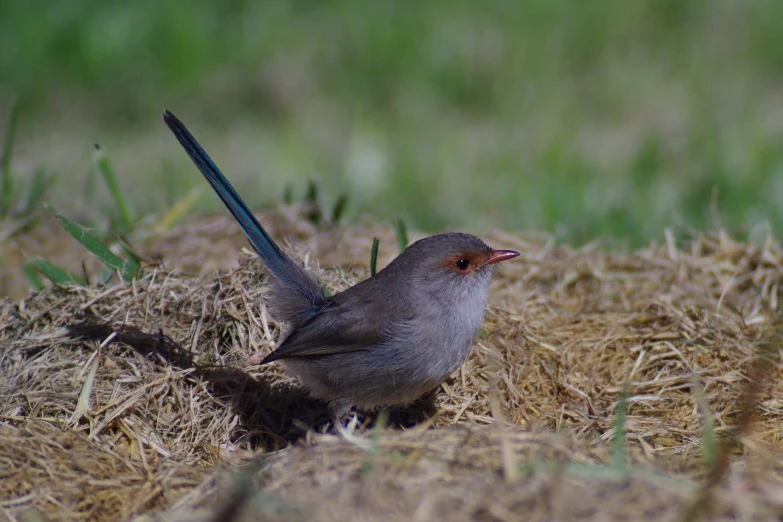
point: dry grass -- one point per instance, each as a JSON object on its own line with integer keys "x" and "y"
{"x": 524, "y": 431}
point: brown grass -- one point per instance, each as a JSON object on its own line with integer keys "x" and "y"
{"x": 183, "y": 424}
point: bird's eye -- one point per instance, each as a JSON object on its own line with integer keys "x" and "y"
{"x": 463, "y": 264}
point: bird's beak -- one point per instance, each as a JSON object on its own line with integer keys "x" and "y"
{"x": 496, "y": 256}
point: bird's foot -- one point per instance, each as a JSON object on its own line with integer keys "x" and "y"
{"x": 347, "y": 428}
{"x": 344, "y": 417}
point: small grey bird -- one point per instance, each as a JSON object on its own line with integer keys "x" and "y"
{"x": 386, "y": 340}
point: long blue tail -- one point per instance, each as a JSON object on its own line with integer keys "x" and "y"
{"x": 288, "y": 274}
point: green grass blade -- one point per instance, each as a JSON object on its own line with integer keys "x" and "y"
{"x": 56, "y": 274}
{"x": 132, "y": 258}
{"x": 374, "y": 256}
{"x": 372, "y": 451}
{"x": 32, "y": 275}
{"x": 311, "y": 196}
{"x": 7, "y": 183}
{"x": 124, "y": 215}
{"x": 106, "y": 274}
{"x": 38, "y": 187}
{"x": 402, "y": 234}
{"x": 288, "y": 195}
{"x": 339, "y": 208}
{"x": 91, "y": 243}
{"x": 315, "y": 214}
{"x": 619, "y": 430}
{"x": 709, "y": 445}
{"x": 85, "y": 274}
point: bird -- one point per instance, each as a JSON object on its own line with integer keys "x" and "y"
{"x": 387, "y": 340}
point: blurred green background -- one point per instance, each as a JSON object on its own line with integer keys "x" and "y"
{"x": 590, "y": 118}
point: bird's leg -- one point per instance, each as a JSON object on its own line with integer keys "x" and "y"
{"x": 340, "y": 411}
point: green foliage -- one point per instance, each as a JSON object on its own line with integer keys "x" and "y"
{"x": 374, "y": 256}
{"x": 123, "y": 216}
{"x": 588, "y": 118}
{"x": 288, "y": 194}
{"x": 38, "y": 187}
{"x": 54, "y": 273}
{"x": 10, "y": 190}
{"x": 339, "y": 208}
{"x": 127, "y": 268}
{"x": 314, "y": 205}
{"x": 313, "y": 199}
{"x": 6, "y": 184}
{"x": 31, "y": 273}
{"x": 122, "y": 223}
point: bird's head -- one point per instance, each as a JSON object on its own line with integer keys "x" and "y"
{"x": 452, "y": 265}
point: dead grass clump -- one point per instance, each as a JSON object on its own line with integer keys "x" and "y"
{"x": 65, "y": 473}
{"x": 177, "y": 391}
{"x": 469, "y": 472}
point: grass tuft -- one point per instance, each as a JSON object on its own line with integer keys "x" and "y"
{"x": 124, "y": 216}
{"x": 10, "y": 188}
{"x": 31, "y": 273}
{"x": 55, "y": 274}
{"x": 313, "y": 200}
{"x": 128, "y": 269}
{"x": 38, "y": 187}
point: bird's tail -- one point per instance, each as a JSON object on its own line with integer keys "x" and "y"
{"x": 296, "y": 296}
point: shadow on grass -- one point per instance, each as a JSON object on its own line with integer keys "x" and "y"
{"x": 271, "y": 416}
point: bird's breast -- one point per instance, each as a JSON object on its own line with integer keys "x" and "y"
{"x": 449, "y": 339}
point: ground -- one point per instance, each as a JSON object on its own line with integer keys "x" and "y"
{"x": 173, "y": 419}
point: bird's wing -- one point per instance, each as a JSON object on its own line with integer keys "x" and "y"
{"x": 326, "y": 334}
{"x": 341, "y": 327}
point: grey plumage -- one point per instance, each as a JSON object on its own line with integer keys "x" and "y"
{"x": 391, "y": 338}
{"x": 386, "y": 340}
